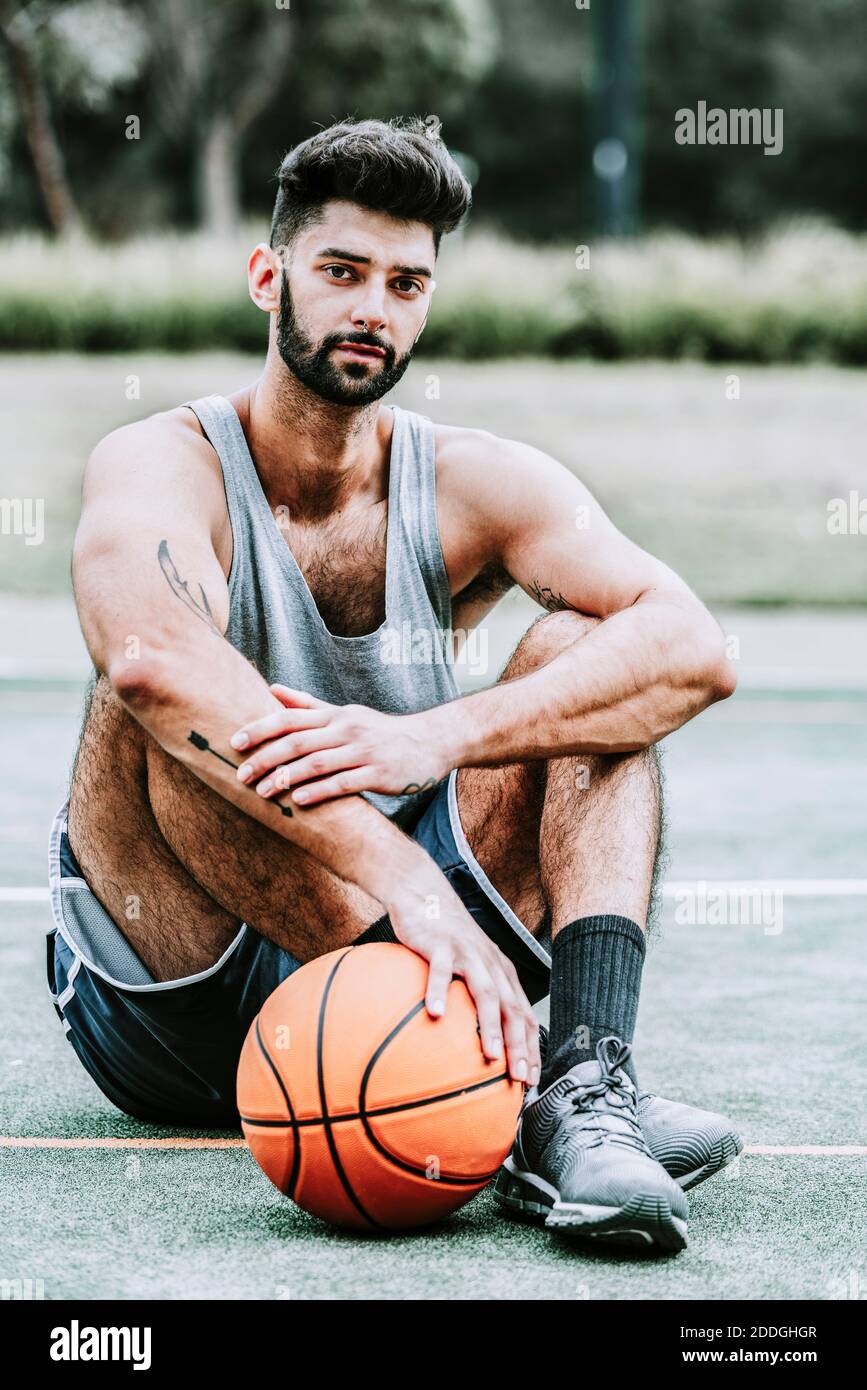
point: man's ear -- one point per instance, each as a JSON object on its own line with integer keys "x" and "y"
{"x": 264, "y": 277}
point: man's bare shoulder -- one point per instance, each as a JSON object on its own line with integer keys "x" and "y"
{"x": 459, "y": 445}
{"x": 454, "y": 442}
{"x": 157, "y": 436}
{"x": 167, "y": 449}
{"x": 158, "y": 471}
{"x": 508, "y": 508}
{"x": 487, "y": 471}
{"x": 487, "y": 487}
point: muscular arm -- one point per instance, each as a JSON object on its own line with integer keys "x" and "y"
{"x": 655, "y": 660}
{"x": 153, "y": 603}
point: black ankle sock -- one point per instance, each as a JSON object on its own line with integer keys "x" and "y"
{"x": 595, "y": 979}
{"x": 380, "y": 930}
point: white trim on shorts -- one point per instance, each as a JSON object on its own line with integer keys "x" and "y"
{"x": 64, "y": 998}
{"x": 482, "y": 879}
{"x": 56, "y": 883}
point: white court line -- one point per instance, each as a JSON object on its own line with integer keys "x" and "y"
{"x": 790, "y": 887}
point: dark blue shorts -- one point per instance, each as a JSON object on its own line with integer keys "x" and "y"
{"x": 167, "y": 1052}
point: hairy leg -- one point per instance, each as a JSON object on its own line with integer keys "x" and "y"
{"x": 570, "y": 837}
{"x": 178, "y": 868}
{"x": 501, "y": 807}
{"x": 500, "y": 810}
{"x": 600, "y": 836}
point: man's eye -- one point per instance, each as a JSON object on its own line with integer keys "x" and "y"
{"x": 407, "y": 286}
{"x": 342, "y": 269}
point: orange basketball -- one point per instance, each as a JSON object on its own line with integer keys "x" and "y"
{"x": 360, "y": 1106}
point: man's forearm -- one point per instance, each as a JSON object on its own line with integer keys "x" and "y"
{"x": 192, "y": 701}
{"x": 627, "y": 683}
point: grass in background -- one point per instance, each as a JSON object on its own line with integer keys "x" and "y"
{"x": 798, "y": 295}
{"x": 732, "y": 493}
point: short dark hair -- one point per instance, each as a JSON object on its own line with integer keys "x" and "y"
{"x": 401, "y": 167}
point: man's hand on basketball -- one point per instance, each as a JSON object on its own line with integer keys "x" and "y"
{"x": 345, "y": 748}
{"x": 453, "y": 943}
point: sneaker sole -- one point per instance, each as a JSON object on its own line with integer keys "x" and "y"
{"x": 644, "y": 1221}
{"x": 724, "y": 1152}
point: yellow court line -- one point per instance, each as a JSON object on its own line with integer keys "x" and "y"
{"x": 9, "y": 1141}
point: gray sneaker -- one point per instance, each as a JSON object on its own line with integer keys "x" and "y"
{"x": 581, "y": 1164}
{"x": 691, "y": 1144}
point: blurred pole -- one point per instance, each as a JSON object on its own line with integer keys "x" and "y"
{"x": 616, "y": 101}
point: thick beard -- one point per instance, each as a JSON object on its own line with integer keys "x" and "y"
{"x": 352, "y": 384}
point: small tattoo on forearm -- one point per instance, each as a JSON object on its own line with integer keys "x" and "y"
{"x": 199, "y": 741}
{"x": 181, "y": 589}
{"x": 412, "y": 787}
{"x": 554, "y": 603}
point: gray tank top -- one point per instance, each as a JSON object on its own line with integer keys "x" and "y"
{"x": 407, "y": 664}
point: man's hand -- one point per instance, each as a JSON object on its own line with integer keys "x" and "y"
{"x": 351, "y": 748}
{"x": 347, "y": 748}
{"x": 454, "y": 944}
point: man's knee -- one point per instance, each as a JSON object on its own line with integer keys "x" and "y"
{"x": 547, "y": 637}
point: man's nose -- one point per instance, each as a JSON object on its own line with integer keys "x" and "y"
{"x": 368, "y": 313}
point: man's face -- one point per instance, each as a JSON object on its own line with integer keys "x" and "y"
{"x": 354, "y": 296}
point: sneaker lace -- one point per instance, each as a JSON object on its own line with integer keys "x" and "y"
{"x": 615, "y": 1092}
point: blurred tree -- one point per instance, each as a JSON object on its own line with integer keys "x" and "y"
{"x": 357, "y": 58}
{"x": 217, "y": 67}
{"x": 19, "y": 35}
{"x": 72, "y": 57}
{"x": 227, "y": 73}
{"x": 222, "y": 87}
{"x": 808, "y": 60}
{"x": 525, "y": 121}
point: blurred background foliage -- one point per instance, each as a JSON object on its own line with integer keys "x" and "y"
{"x": 222, "y": 87}
{"x": 215, "y": 91}
{"x": 135, "y": 248}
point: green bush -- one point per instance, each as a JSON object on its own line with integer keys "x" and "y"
{"x": 797, "y": 296}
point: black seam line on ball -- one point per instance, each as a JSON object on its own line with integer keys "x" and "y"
{"x": 296, "y": 1155}
{"x": 381, "y": 1110}
{"x": 323, "y": 1100}
{"x": 392, "y": 1158}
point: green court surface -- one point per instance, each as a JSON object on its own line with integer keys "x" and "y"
{"x": 764, "y": 1020}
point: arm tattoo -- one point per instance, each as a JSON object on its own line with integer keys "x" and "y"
{"x": 199, "y": 741}
{"x": 554, "y": 603}
{"x": 181, "y": 589}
